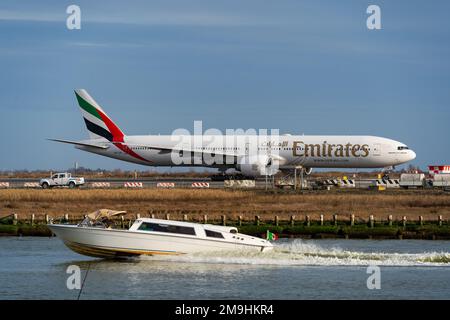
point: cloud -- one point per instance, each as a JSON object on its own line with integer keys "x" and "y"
{"x": 7, "y": 15}
{"x": 154, "y": 18}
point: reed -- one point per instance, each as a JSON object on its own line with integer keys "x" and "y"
{"x": 232, "y": 203}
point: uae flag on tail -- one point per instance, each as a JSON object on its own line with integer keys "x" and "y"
{"x": 271, "y": 236}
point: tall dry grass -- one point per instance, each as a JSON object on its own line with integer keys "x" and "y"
{"x": 219, "y": 201}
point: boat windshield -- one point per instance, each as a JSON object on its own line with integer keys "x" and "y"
{"x": 104, "y": 224}
{"x": 100, "y": 219}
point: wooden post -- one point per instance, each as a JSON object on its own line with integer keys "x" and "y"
{"x": 257, "y": 220}
{"x": 276, "y": 221}
{"x": 129, "y": 223}
{"x": 352, "y": 220}
{"x": 224, "y": 220}
{"x": 138, "y": 216}
{"x": 185, "y": 217}
{"x": 47, "y": 219}
{"x": 321, "y": 219}
{"x": 404, "y": 221}
{"x": 440, "y": 221}
{"x": 15, "y": 218}
{"x": 152, "y": 216}
{"x": 308, "y": 221}
{"x": 122, "y": 222}
{"x": 421, "y": 220}
{"x": 390, "y": 220}
{"x": 292, "y": 221}
{"x": 167, "y": 216}
{"x": 240, "y": 221}
{"x": 335, "y": 219}
{"x": 32, "y": 219}
{"x": 371, "y": 221}
{"x": 66, "y": 217}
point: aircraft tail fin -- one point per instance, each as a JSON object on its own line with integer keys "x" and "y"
{"x": 98, "y": 124}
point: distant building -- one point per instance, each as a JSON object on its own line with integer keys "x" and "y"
{"x": 438, "y": 169}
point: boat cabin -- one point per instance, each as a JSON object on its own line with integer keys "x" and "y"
{"x": 180, "y": 228}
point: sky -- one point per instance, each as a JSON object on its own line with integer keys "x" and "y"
{"x": 303, "y": 67}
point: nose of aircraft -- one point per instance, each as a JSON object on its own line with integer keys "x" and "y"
{"x": 412, "y": 155}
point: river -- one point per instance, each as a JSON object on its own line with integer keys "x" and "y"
{"x": 35, "y": 268}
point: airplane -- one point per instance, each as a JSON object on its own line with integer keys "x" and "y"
{"x": 251, "y": 155}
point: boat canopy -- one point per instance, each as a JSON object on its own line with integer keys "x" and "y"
{"x": 104, "y": 214}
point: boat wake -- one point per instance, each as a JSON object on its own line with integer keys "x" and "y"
{"x": 300, "y": 253}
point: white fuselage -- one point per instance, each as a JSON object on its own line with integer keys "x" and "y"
{"x": 290, "y": 151}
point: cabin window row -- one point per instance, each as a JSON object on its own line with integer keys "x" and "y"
{"x": 147, "y": 226}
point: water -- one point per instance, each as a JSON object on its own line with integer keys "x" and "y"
{"x": 35, "y": 268}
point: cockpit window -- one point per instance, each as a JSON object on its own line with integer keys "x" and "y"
{"x": 403, "y": 148}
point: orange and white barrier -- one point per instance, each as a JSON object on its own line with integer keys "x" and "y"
{"x": 4, "y": 184}
{"x": 100, "y": 184}
{"x": 133, "y": 185}
{"x": 31, "y": 185}
{"x": 200, "y": 185}
{"x": 165, "y": 185}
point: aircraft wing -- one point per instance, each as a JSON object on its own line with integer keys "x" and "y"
{"x": 169, "y": 149}
{"x": 184, "y": 149}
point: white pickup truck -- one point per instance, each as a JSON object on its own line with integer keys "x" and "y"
{"x": 61, "y": 180}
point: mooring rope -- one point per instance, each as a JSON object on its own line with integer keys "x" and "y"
{"x": 84, "y": 280}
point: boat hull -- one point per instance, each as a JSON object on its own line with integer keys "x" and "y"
{"x": 111, "y": 243}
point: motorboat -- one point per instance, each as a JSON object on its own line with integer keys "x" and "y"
{"x": 95, "y": 236}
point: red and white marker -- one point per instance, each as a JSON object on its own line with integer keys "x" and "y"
{"x": 165, "y": 185}
{"x": 133, "y": 185}
{"x": 200, "y": 185}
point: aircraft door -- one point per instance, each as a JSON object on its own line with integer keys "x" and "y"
{"x": 247, "y": 148}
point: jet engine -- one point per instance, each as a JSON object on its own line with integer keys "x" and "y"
{"x": 257, "y": 165}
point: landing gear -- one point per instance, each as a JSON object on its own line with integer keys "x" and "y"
{"x": 293, "y": 179}
{"x": 386, "y": 171}
{"x": 302, "y": 173}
